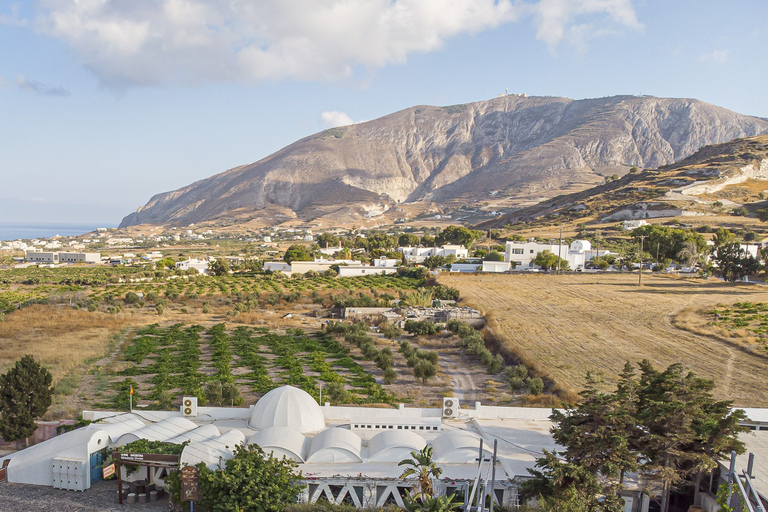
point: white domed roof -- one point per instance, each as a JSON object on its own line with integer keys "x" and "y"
{"x": 581, "y": 246}
{"x": 335, "y": 445}
{"x": 280, "y": 442}
{"x": 394, "y": 445}
{"x": 288, "y": 407}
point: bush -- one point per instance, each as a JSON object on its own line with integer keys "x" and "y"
{"x": 251, "y": 481}
{"x": 424, "y": 370}
{"x": 516, "y": 376}
{"x": 535, "y": 386}
{"x": 132, "y": 298}
{"x": 337, "y": 393}
{"x": 442, "y": 292}
{"x": 420, "y": 327}
{"x": 391, "y": 331}
{"x": 389, "y": 376}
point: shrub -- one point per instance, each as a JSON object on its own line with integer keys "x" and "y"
{"x": 535, "y": 386}
{"x": 391, "y": 331}
{"x": 424, "y": 370}
{"x": 420, "y": 327}
{"x": 251, "y": 481}
{"x": 389, "y": 376}
{"x": 337, "y": 393}
{"x": 132, "y": 298}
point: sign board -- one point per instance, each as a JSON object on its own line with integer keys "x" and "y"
{"x": 108, "y": 471}
{"x": 146, "y": 458}
{"x": 189, "y": 480}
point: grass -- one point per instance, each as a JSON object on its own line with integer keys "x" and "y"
{"x": 563, "y": 326}
{"x": 62, "y": 339}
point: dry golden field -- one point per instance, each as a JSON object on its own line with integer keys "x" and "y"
{"x": 564, "y": 325}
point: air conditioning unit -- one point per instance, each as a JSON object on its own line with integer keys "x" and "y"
{"x": 450, "y": 407}
{"x": 189, "y": 406}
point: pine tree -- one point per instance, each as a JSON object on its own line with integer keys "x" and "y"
{"x": 25, "y": 394}
{"x": 685, "y": 431}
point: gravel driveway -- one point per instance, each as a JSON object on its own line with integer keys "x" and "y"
{"x": 102, "y": 496}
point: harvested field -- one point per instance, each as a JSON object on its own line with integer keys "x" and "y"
{"x": 562, "y": 326}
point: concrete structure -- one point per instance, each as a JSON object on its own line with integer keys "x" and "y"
{"x": 301, "y": 267}
{"x": 378, "y": 266}
{"x": 62, "y": 257}
{"x": 201, "y": 265}
{"x": 576, "y": 254}
{"x": 629, "y": 225}
{"x": 496, "y": 266}
{"x": 419, "y": 254}
{"x": 467, "y": 267}
{"x": 277, "y": 266}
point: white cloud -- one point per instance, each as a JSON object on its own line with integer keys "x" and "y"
{"x": 157, "y": 42}
{"x": 556, "y": 19}
{"x": 40, "y": 88}
{"x": 333, "y": 118}
{"x": 714, "y": 57}
{"x": 13, "y": 19}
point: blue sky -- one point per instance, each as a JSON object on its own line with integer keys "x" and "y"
{"x": 104, "y": 103}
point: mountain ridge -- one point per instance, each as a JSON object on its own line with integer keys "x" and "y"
{"x": 514, "y": 146}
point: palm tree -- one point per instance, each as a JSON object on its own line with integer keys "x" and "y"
{"x": 424, "y": 468}
{"x": 689, "y": 254}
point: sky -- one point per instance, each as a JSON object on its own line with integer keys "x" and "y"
{"x": 105, "y": 103}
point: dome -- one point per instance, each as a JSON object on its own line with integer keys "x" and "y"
{"x": 457, "y": 447}
{"x": 288, "y": 407}
{"x": 335, "y": 445}
{"x": 280, "y": 442}
{"x": 394, "y": 445}
{"x": 160, "y": 431}
{"x": 581, "y": 246}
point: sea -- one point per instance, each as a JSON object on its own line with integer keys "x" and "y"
{"x": 20, "y": 230}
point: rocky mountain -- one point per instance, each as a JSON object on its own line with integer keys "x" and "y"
{"x": 716, "y": 179}
{"x": 514, "y": 147}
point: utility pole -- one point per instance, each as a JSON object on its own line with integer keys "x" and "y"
{"x": 559, "y": 249}
{"x": 640, "y": 277}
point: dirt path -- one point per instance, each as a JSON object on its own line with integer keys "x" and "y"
{"x": 566, "y": 325}
{"x": 464, "y": 387}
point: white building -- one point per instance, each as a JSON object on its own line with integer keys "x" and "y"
{"x": 301, "y": 267}
{"x": 496, "y": 266}
{"x": 577, "y": 254}
{"x": 629, "y": 225}
{"x": 277, "y": 266}
{"x": 346, "y": 453}
{"x": 378, "y": 266}
{"x": 419, "y": 254}
{"x": 200, "y": 265}
{"x": 62, "y": 257}
{"x": 522, "y": 254}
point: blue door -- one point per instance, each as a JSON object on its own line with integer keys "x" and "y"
{"x": 96, "y": 460}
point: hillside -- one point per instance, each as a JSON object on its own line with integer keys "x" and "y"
{"x": 522, "y": 149}
{"x": 717, "y": 177}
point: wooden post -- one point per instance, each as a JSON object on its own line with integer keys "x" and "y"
{"x": 119, "y": 477}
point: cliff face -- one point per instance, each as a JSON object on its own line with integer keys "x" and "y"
{"x": 513, "y": 144}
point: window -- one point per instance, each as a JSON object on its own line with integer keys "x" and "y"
{"x": 531, "y": 251}
{"x": 517, "y": 251}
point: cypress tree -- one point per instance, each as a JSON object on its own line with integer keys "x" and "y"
{"x": 25, "y": 394}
